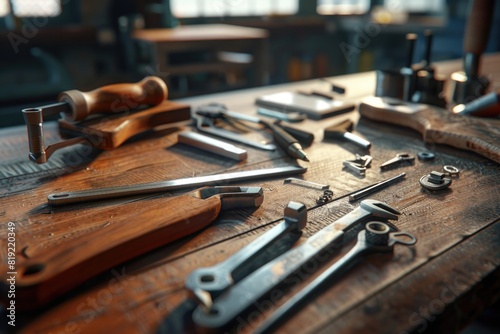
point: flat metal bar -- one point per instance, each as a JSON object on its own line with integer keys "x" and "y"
{"x": 164, "y": 186}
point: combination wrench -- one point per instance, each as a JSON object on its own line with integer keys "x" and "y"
{"x": 208, "y": 283}
{"x": 374, "y": 239}
{"x": 242, "y": 295}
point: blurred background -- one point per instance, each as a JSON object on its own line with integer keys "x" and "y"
{"x": 49, "y": 46}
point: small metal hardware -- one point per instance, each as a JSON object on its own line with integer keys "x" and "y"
{"x": 359, "y": 164}
{"x": 426, "y": 156}
{"x": 326, "y": 197}
{"x": 435, "y": 181}
{"x": 451, "y": 170}
{"x": 164, "y": 186}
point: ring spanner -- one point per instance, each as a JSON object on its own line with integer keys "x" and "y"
{"x": 59, "y": 269}
{"x": 242, "y": 295}
{"x": 208, "y": 283}
{"x": 374, "y": 239}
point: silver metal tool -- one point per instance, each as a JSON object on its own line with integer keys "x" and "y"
{"x": 376, "y": 187}
{"x": 374, "y": 239}
{"x": 155, "y": 187}
{"x": 396, "y": 161}
{"x": 206, "y": 125}
{"x": 305, "y": 183}
{"x": 34, "y": 124}
{"x": 326, "y": 197}
{"x": 206, "y": 284}
{"x": 241, "y": 296}
{"x": 212, "y": 145}
{"x": 451, "y": 170}
{"x": 359, "y": 164}
{"x": 426, "y": 156}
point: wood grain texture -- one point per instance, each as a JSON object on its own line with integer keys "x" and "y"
{"x": 439, "y": 126}
{"x": 378, "y": 295}
{"x": 110, "y": 132}
{"x": 56, "y": 270}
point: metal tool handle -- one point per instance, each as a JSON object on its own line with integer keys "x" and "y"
{"x": 375, "y": 238}
{"x": 63, "y": 198}
{"x": 357, "y": 140}
{"x": 239, "y": 298}
{"x": 208, "y": 283}
{"x": 113, "y": 98}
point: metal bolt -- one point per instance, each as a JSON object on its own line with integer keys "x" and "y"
{"x": 435, "y": 181}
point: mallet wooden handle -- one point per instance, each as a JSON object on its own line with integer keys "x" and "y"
{"x": 50, "y": 273}
{"x": 438, "y": 125}
{"x": 113, "y": 98}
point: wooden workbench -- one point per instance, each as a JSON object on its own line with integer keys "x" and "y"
{"x": 442, "y": 283}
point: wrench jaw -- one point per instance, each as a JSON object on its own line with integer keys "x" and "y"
{"x": 206, "y": 284}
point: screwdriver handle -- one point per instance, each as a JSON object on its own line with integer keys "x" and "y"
{"x": 113, "y": 98}
{"x": 282, "y": 138}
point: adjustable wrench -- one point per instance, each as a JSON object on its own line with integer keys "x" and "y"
{"x": 157, "y": 222}
{"x": 206, "y": 284}
{"x": 242, "y": 295}
{"x": 374, "y": 239}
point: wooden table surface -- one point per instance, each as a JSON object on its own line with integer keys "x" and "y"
{"x": 441, "y": 283}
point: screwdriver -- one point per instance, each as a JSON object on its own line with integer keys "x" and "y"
{"x": 75, "y": 105}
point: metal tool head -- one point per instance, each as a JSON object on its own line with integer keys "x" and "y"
{"x": 379, "y": 209}
{"x": 33, "y": 118}
{"x": 34, "y": 124}
{"x": 235, "y": 197}
{"x": 297, "y": 213}
{"x": 206, "y": 284}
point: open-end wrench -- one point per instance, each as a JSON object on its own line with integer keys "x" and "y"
{"x": 207, "y": 284}
{"x": 157, "y": 222}
{"x": 374, "y": 239}
{"x": 242, "y": 295}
